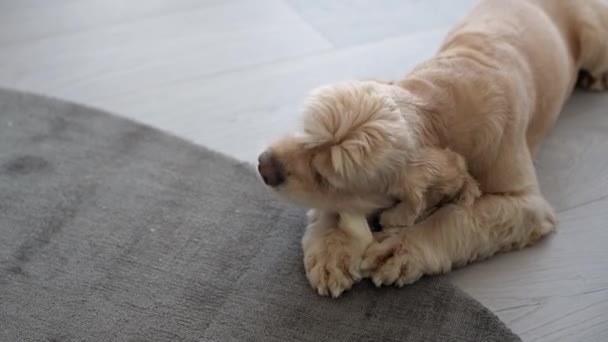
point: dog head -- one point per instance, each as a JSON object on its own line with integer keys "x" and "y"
{"x": 353, "y": 139}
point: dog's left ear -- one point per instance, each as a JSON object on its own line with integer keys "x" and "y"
{"x": 354, "y": 130}
{"x": 366, "y": 146}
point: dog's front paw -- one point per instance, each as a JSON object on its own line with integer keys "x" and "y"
{"x": 398, "y": 216}
{"x": 469, "y": 192}
{"x": 392, "y": 261}
{"x": 332, "y": 262}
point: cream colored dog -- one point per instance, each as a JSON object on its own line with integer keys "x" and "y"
{"x": 490, "y": 95}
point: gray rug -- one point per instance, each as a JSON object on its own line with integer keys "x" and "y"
{"x": 112, "y": 231}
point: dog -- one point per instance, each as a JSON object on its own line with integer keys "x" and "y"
{"x": 490, "y": 95}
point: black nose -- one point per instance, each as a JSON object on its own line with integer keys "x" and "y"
{"x": 270, "y": 169}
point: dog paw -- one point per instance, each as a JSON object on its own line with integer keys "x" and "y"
{"x": 397, "y": 217}
{"x": 332, "y": 262}
{"x": 469, "y": 192}
{"x": 392, "y": 261}
{"x": 544, "y": 225}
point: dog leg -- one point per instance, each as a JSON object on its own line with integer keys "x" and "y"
{"x": 403, "y": 214}
{"x": 332, "y": 256}
{"x": 442, "y": 174}
{"x": 456, "y": 235}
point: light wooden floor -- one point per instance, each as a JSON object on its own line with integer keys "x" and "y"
{"x": 230, "y": 74}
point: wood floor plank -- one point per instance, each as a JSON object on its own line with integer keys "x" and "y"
{"x": 572, "y": 164}
{"x": 348, "y": 23}
{"x": 233, "y": 34}
{"x": 27, "y": 20}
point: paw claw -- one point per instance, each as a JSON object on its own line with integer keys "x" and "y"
{"x": 336, "y": 292}
{"x": 377, "y": 281}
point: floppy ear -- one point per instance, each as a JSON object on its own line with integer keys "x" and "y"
{"x": 366, "y": 145}
{"x": 355, "y": 128}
